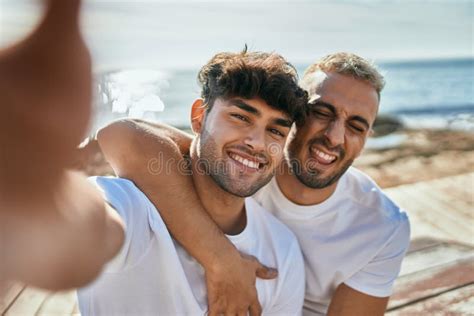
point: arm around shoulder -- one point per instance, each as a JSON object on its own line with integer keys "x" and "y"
{"x": 130, "y": 144}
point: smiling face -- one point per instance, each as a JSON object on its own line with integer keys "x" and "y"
{"x": 341, "y": 113}
{"x": 240, "y": 142}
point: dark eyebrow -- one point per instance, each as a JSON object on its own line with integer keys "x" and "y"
{"x": 248, "y": 108}
{"x": 283, "y": 122}
{"x": 332, "y": 108}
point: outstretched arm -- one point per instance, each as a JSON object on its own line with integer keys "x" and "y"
{"x": 151, "y": 155}
{"x": 55, "y": 230}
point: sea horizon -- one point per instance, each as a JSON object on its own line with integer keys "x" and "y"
{"x": 429, "y": 93}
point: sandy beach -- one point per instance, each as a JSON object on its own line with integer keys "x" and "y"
{"x": 424, "y": 155}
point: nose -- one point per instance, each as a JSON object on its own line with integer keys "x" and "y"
{"x": 256, "y": 140}
{"x": 335, "y": 132}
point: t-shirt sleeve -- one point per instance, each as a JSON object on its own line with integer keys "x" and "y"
{"x": 378, "y": 276}
{"x": 133, "y": 207}
{"x": 290, "y": 297}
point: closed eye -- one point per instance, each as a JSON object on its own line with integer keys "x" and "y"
{"x": 322, "y": 114}
{"x": 357, "y": 128}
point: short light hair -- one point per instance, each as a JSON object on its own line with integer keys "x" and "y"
{"x": 350, "y": 65}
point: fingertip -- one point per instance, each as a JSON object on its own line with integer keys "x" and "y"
{"x": 273, "y": 271}
{"x": 267, "y": 273}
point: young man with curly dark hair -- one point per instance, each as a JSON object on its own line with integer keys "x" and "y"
{"x": 249, "y": 102}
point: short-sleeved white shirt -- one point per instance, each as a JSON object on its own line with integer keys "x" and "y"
{"x": 154, "y": 275}
{"x": 358, "y": 236}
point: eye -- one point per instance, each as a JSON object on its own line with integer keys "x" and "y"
{"x": 357, "y": 128}
{"x": 276, "y": 132}
{"x": 322, "y": 114}
{"x": 240, "y": 117}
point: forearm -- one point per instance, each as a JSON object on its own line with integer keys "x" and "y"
{"x": 180, "y": 138}
{"x": 347, "y": 301}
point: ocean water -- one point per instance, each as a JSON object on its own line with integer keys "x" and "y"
{"x": 424, "y": 94}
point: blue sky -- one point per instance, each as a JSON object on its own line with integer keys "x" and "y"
{"x": 186, "y": 33}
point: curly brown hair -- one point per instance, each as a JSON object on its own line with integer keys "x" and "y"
{"x": 253, "y": 74}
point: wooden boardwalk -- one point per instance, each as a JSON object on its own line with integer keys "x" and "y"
{"x": 437, "y": 276}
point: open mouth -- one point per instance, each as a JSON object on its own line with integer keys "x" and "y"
{"x": 246, "y": 162}
{"x": 322, "y": 157}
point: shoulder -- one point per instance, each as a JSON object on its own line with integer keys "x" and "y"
{"x": 387, "y": 214}
{"x": 125, "y": 197}
{"x": 364, "y": 192}
{"x": 117, "y": 190}
{"x": 370, "y": 205}
{"x": 113, "y": 184}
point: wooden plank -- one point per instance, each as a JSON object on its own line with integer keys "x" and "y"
{"x": 11, "y": 290}
{"x": 430, "y": 282}
{"x": 455, "y": 302}
{"x": 453, "y": 197}
{"x": 28, "y": 303}
{"x": 422, "y": 225}
{"x": 464, "y": 182}
{"x": 418, "y": 244}
{"x": 446, "y": 199}
{"x": 434, "y": 206}
{"x": 59, "y": 303}
{"x": 435, "y": 256}
{"x": 457, "y": 192}
{"x": 426, "y": 211}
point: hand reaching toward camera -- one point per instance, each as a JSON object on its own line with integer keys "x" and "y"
{"x": 46, "y": 100}
{"x": 55, "y": 229}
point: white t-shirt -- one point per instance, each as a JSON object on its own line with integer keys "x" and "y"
{"x": 358, "y": 236}
{"x": 153, "y": 275}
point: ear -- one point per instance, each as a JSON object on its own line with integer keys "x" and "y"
{"x": 198, "y": 113}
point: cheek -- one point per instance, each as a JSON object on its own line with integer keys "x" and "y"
{"x": 226, "y": 132}
{"x": 355, "y": 145}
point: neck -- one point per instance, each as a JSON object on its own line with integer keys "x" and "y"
{"x": 227, "y": 210}
{"x": 297, "y": 192}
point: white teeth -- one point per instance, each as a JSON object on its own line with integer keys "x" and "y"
{"x": 245, "y": 162}
{"x": 325, "y": 156}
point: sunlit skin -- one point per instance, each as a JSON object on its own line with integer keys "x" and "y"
{"x": 342, "y": 111}
{"x": 236, "y": 151}
{"x": 56, "y": 232}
